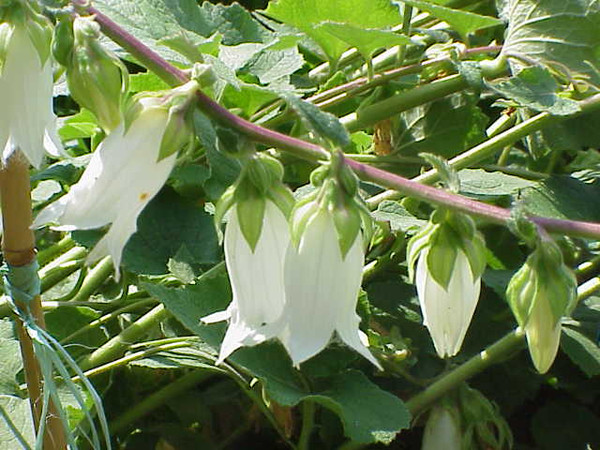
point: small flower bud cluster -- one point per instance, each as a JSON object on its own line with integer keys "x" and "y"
{"x": 298, "y": 286}
{"x": 540, "y": 294}
{"x": 97, "y": 79}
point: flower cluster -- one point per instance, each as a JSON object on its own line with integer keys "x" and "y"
{"x": 300, "y": 286}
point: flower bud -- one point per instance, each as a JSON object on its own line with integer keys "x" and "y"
{"x": 97, "y": 79}
{"x": 539, "y": 294}
{"x": 449, "y": 258}
{"x": 442, "y": 430}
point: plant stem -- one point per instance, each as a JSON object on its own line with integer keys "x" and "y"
{"x": 494, "y": 354}
{"x": 308, "y": 421}
{"x": 60, "y": 268}
{"x": 48, "y": 254}
{"x": 158, "y": 399}
{"x": 117, "y": 345}
{"x": 18, "y": 246}
{"x": 310, "y": 151}
{"x": 94, "y": 279}
{"x": 107, "y": 317}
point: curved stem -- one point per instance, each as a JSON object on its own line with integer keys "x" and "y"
{"x": 308, "y": 421}
{"x": 495, "y": 353}
{"x": 310, "y": 151}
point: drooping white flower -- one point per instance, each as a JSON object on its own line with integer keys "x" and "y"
{"x": 447, "y": 312}
{"x": 122, "y": 177}
{"x": 27, "y": 121}
{"x": 442, "y": 430}
{"x": 321, "y": 289}
{"x": 256, "y": 280}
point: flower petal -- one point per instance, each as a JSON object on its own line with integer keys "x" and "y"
{"x": 543, "y": 335}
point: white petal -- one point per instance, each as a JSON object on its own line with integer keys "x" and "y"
{"x": 347, "y": 286}
{"x": 28, "y": 97}
{"x": 256, "y": 280}
{"x": 442, "y": 432}
{"x": 310, "y": 278}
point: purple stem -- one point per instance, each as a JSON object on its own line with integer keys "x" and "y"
{"x": 310, "y": 151}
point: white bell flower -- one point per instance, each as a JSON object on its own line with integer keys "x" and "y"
{"x": 447, "y": 312}
{"x": 27, "y": 122}
{"x": 256, "y": 280}
{"x": 321, "y": 288}
{"x": 122, "y": 177}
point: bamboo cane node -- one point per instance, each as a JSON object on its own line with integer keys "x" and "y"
{"x": 19, "y": 258}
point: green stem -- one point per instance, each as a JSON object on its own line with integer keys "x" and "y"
{"x": 60, "y": 268}
{"x": 497, "y": 352}
{"x": 94, "y": 279}
{"x": 370, "y": 115}
{"x": 116, "y": 346}
{"x": 158, "y": 399}
{"x": 48, "y": 254}
{"x": 308, "y": 422}
{"x": 108, "y": 317}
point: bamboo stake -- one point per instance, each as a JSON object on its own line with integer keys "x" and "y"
{"x": 18, "y": 245}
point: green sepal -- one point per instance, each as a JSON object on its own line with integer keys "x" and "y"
{"x": 441, "y": 257}
{"x": 474, "y": 250}
{"x": 178, "y": 132}
{"x": 416, "y": 245}
{"x": 348, "y": 222}
{"x": 132, "y": 110}
{"x": 317, "y": 176}
{"x": 39, "y": 31}
{"x": 6, "y": 32}
{"x": 348, "y": 180}
{"x": 63, "y": 41}
{"x": 367, "y": 223}
{"x": 521, "y": 292}
{"x": 250, "y": 209}
{"x": 221, "y": 208}
{"x": 282, "y": 197}
{"x": 447, "y": 173}
{"x": 204, "y": 74}
{"x": 302, "y": 213}
{"x": 260, "y": 175}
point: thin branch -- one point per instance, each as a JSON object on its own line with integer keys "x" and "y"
{"x": 311, "y": 151}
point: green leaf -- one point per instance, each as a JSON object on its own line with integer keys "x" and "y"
{"x": 398, "y": 217}
{"x": 462, "y": 21}
{"x": 324, "y": 124}
{"x": 153, "y": 20}
{"x": 79, "y": 126}
{"x": 366, "y": 41}
{"x": 146, "y": 81}
{"x": 369, "y": 414}
{"x": 535, "y": 88}
{"x": 484, "y": 185}
{"x": 582, "y": 351}
{"x": 422, "y": 129}
{"x": 11, "y": 359}
{"x": 166, "y": 225}
{"x": 16, "y": 426}
{"x": 562, "y": 35}
{"x": 563, "y": 424}
{"x": 306, "y": 15}
{"x": 563, "y": 197}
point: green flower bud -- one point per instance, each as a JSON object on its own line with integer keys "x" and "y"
{"x": 204, "y": 74}
{"x": 539, "y": 295}
{"x": 97, "y": 79}
{"x": 63, "y": 42}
